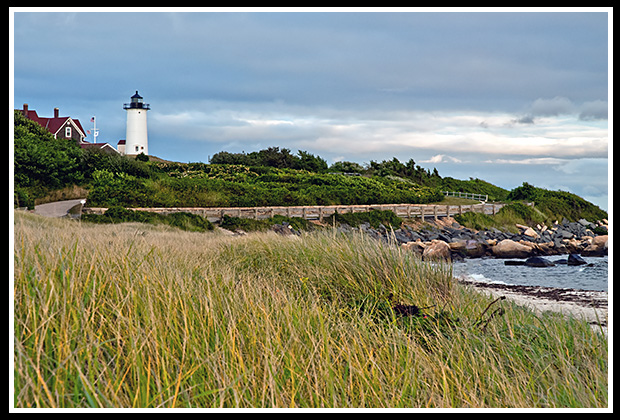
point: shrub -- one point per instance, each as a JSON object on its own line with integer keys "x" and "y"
{"x": 476, "y": 221}
{"x": 252, "y": 225}
{"x": 182, "y": 220}
{"x": 373, "y": 217}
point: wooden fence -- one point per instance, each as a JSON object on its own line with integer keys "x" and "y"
{"x": 422, "y": 211}
{"x": 471, "y": 196}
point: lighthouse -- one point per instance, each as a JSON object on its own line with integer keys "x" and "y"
{"x": 136, "y": 140}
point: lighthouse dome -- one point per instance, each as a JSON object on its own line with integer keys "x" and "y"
{"x": 137, "y": 102}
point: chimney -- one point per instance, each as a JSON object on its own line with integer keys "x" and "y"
{"x": 55, "y": 112}
{"x": 25, "y": 111}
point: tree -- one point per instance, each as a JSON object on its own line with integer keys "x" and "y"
{"x": 309, "y": 162}
{"x": 42, "y": 163}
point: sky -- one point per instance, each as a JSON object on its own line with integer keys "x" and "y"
{"x": 504, "y": 96}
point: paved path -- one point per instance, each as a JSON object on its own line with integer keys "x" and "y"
{"x": 57, "y": 208}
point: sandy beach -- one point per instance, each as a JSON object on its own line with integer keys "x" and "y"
{"x": 589, "y": 305}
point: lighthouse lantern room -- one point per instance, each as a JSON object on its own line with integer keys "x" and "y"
{"x": 136, "y": 140}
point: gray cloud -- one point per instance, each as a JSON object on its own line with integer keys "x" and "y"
{"x": 595, "y": 110}
{"x": 552, "y": 107}
{"x": 525, "y": 119}
{"x": 559, "y": 105}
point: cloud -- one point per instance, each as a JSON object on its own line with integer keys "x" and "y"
{"x": 552, "y": 107}
{"x": 528, "y": 161}
{"x": 594, "y": 110}
{"x": 437, "y": 137}
{"x": 442, "y": 159}
{"x": 526, "y": 119}
{"x": 559, "y": 106}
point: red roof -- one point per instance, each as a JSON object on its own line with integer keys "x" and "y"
{"x": 52, "y": 124}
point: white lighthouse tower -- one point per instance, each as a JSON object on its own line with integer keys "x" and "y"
{"x": 136, "y": 140}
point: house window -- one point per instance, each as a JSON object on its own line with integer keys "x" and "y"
{"x": 67, "y": 132}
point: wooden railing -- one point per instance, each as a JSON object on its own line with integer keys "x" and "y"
{"x": 470, "y": 196}
{"x": 422, "y": 211}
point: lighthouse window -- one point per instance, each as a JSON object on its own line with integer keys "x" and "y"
{"x": 137, "y": 148}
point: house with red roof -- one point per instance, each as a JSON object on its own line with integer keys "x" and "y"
{"x": 60, "y": 127}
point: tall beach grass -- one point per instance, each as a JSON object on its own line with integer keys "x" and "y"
{"x": 133, "y": 315}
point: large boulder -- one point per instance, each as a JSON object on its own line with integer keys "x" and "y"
{"x": 470, "y": 248}
{"x": 575, "y": 259}
{"x": 437, "y": 249}
{"x": 538, "y": 262}
{"x": 598, "y": 247}
{"x": 511, "y": 249}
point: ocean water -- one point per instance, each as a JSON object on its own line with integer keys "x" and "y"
{"x": 593, "y": 276}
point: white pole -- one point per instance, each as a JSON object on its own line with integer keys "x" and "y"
{"x": 95, "y": 132}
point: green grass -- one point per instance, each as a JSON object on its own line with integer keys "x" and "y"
{"x": 506, "y": 218}
{"x": 134, "y": 315}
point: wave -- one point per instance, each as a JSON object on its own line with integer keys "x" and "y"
{"x": 480, "y": 278}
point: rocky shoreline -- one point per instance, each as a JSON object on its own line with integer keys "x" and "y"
{"x": 447, "y": 239}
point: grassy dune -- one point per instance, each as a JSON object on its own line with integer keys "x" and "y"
{"x": 133, "y": 315}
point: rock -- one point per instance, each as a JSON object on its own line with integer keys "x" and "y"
{"x": 547, "y": 248}
{"x": 597, "y": 248}
{"x": 514, "y": 262}
{"x": 563, "y": 234}
{"x": 470, "y": 248}
{"x": 437, "y": 249}
{"x": 475, "y": 249}
{"x": 417, "y": 247}
{"x": 444, "y": 237}
{"x": 284, "y": 229}
{"x": 538, "y": 262}
{"x": 574, "y": 246}
{"x": 531, "y": 245}
{"x": 575, "y": 259}
{"x": 531, "y": 233}
{"x": 511, "y": 249}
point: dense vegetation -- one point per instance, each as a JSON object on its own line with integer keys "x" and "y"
{"x": 269, "y": 177}
{"x": 561, "y": 203}
{"x": 506, "y": 218}
{"x": 182, "y": 220}
{"x": 42, "y": 163}
{"x": 214, "y": 185}
{"x": 374, "y": 218}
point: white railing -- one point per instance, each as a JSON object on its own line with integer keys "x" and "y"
{"x": 479, "y": 197}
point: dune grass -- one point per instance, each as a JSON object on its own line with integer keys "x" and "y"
{"x": 133, "y": 315}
